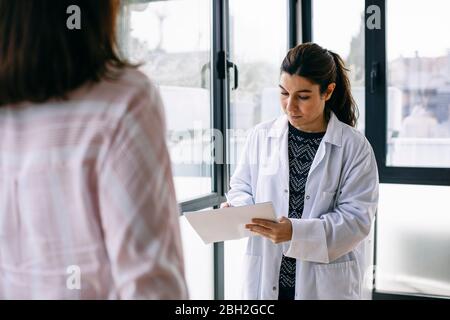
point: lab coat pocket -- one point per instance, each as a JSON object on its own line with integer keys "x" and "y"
{"x": 337, "y": 281}
{"x": 252, "y": 275}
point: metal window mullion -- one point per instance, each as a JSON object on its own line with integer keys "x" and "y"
{"x": 292, "y": 23}
{"x": 306, "y": 20}
{"x": 219, "y": 104}
{"x": 376, "y": 102}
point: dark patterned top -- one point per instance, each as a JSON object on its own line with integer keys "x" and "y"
{"x": 302, "y": 150}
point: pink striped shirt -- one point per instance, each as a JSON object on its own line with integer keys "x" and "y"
{"x": 88, "y": 208}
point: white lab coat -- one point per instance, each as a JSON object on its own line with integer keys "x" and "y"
{"x": 332, "y": 242}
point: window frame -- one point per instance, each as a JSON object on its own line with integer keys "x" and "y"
{"x": 219, "y": 98}
{"x": 376, "y": 128}
{"x": 220, "y": 113}
{"x": 376, "y": 111}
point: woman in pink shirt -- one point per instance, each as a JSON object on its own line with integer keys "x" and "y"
{"x": 87, "y": 208}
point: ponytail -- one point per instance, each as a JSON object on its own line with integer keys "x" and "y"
{"x": 341, "y": 102}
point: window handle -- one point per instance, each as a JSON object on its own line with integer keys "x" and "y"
{"x": 204, "y": 72}
{"x": 236, "y": 74}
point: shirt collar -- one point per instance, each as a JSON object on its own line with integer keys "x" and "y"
{"x": 333, "y": 134}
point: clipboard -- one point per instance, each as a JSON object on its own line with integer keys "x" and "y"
{"x": 228, "y": 223}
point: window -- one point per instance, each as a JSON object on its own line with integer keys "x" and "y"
{"x": 410, "y": 106}
{"x": 406, "y": 105}
{"x": 257, "y": 48}
{"x": 346, "y": 39}
{"x": 258, "y": 44}
{"x": 400, "y": 80}
{"x": 173, "y": 40}
{"x": 418, "y": 67}
{"x": 198, "y": 262}
{"x": 413, "y": 240}
{"x": 393, "y": 82}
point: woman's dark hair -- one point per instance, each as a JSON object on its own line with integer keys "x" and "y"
{"x": 323, "y": 67}
{"x": 41, "y": 58}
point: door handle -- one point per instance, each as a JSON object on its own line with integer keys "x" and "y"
{"x": 204, "y": 72}
{"x": 236, "y": 74}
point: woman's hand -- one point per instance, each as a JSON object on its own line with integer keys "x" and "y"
{"x": 224, "y": 205}
{"x": 276, "y": 231}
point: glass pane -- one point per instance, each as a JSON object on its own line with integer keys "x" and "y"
{"x": 419, "y": 84}
{"x": 172, "y": 39}
{"x": 198, "y": 263}
{"x": 258, "y": 44}
{"x": 413, "y": 239}
{"x": 345, "y": 36}
{"x": 234, "y": 259}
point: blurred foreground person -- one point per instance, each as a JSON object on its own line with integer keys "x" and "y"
{"x": 88, "y": 208}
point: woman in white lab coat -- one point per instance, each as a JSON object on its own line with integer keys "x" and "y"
{"x": 320, "y": 174}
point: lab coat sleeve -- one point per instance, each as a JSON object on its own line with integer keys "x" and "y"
{"x": 241, "y": 192}
{"x": 338, "y": 232}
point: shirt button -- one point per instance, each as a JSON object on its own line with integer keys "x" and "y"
{"x": 307, "y": 197}
{"x": 286, "y": 190}
{"x": 274, "y": 288}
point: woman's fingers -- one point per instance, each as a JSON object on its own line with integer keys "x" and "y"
{"x": 276, "y": 231}
{"x": 254, "y": 225}
{"x": 260, "y": 230}
{"x": 265, "y": 223}
{"x": 224, "y": 205}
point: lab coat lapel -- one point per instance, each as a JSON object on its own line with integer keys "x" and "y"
{"x": 333, "y": 135}
{"x": 279, "y": 133}
{"x": 284, "y": 160}
{"x": 320, "y": 154}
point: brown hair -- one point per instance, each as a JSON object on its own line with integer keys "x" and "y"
{"x": 323, "y": 67}
{"x": 40, "y": 58}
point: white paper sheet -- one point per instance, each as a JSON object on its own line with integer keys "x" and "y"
{"x": 228, "y": 223}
